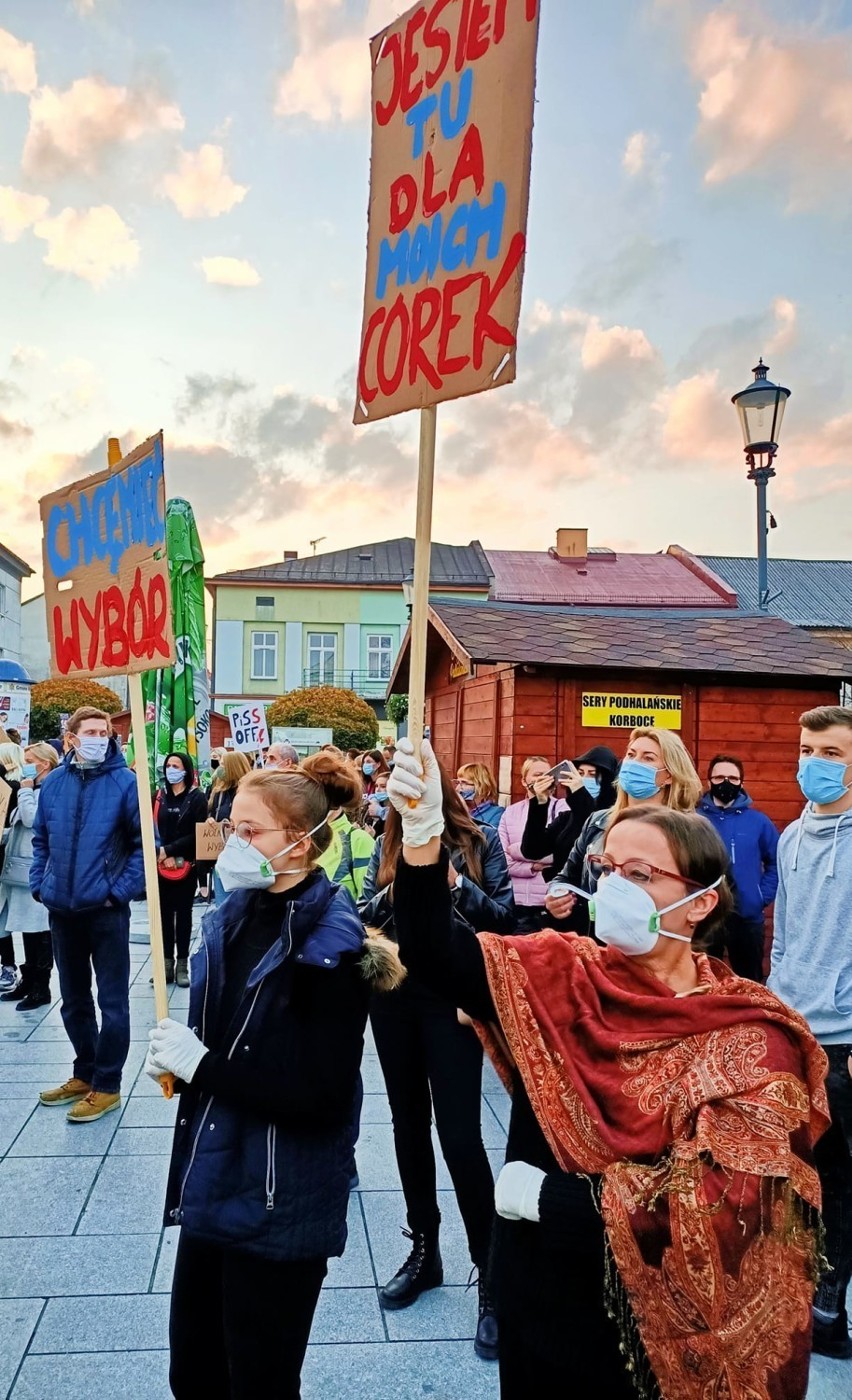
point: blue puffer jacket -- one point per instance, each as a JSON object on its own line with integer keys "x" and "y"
{"x": 752, "y": 841}
{"x": 87, "y": 843}
{"x": 262, "y": 1152}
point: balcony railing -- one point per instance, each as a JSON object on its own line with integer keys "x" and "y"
{"x": 369, "y": 687}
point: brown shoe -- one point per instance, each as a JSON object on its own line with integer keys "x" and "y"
{"x": 182, "y": 972}
{"x": 69, "y": 1092}
{"x": 93, "y": 1106}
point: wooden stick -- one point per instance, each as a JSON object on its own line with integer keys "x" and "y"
{"x": 422, "y": 562}
{"x": 149, "y": 850}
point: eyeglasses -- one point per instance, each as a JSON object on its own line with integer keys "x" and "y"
{"x": 639, "y": 872}
{"x": 245, "y": 832}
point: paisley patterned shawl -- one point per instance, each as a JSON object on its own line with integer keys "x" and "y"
{"x": 700, "y": 1114}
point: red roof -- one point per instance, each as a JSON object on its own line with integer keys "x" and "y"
{"x": 606, "y": 579}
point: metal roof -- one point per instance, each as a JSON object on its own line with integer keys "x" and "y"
{"x": 814, "y": 592}
{"x": 722, "y": 643}
{"x": 15, "y": 562}
{"x": 386, "y": 563}
{"x": 605, "y": 580}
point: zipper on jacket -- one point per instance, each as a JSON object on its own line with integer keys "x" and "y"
{"x": 734, "y": 852}
{"x": 75, "y": 829}
{"x": 176, "y": 1213}
{"x": 271, "y": 1135}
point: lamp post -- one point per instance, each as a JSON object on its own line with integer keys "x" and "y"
{"x": 408, "y": 591}
{"x": 761, "y": 411}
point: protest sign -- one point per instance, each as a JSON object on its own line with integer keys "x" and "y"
{"x": 452, "y": 113}
{"x": 248, "y": 727}
{"x": 305, "y": 740}
{"x": 5, "y": 799}
{"x": 106, "y": 576}
{"x": 15, "y": 708}
{"x": 209, "y": 841}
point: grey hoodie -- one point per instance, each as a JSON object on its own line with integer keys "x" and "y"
{"x": 812, "y": 950}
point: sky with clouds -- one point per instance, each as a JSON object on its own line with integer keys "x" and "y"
{"x": 183, "y": 193}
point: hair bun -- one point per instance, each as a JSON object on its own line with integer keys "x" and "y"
{"x": 337, "y": 777}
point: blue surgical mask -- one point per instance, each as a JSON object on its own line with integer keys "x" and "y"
{"x": 175, "y": 775}
{"x": 637, "y": 779}
{"x": 467, "y": 794}
{"x": 592, "y": 785}
{"x": 368, "y": 769}
{"x": 380, "y": 797}
{"x": 92, "y": 748}
{"x": 821, "y": 780}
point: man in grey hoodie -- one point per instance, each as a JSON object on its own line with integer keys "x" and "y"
{"x": 812, "y": 971}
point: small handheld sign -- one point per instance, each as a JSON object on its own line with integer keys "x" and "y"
{"x": 248, "y": 727}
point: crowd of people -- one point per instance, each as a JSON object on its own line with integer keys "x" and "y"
{"x": 678, "y": 1125}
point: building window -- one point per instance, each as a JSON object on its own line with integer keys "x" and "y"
{"x": 379, "y": 652}
{"x": 264, "y": 656}
{"x": 264, "y": 609}
{"x": 322, "y": 657}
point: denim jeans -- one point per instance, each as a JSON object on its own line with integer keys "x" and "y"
{"x": 98, "y": 939}
{"x": 833, "y": 1155}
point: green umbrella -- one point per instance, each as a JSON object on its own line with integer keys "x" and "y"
{"x": 177, "y": 702}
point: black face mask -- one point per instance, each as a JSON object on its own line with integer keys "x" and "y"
{"x": 214, "y": 763}
{"x": 726, "y": 791}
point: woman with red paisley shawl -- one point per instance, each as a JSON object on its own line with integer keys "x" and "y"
{"x": 658, "y": 1215}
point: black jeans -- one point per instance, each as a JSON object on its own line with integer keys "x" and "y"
{"x": 833, "y": 1155}
{"x": 239, "y": 1324}
{"x": 176, "y": 898}
{"x": 746, "y": 939}
{"x": 430, "y": 1061}
{"x": 7, "y": 951}
{"x": 98, "y": 939}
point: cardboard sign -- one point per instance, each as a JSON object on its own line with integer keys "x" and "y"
{"x": 5, "y": 799}
{"x": 248, "y": 727}
{"x": 209, "y": 841}
{"x": 15, "y": 708}
{"x": 631, "y": 711}
{"x": 106, "y": 575}
{"x": 452, "y": 108}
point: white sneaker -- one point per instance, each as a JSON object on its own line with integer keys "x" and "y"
{"x": 9, "y": 979}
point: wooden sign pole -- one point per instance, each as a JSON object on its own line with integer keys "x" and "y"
{"x": 422, "y": 569}
{"x": 149, "y": 849}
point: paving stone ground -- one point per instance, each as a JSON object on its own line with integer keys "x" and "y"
{"x": 85, "y": 1267}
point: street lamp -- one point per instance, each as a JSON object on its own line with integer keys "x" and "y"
{"x": 408, "y": 591}
{"x": 761, "y": 411}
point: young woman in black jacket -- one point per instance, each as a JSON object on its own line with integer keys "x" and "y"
{"x": 180, "y": 805}
{"x": 433, "y": 1063}
{"x": 590, "y": 788}
{"x": 268, "y": 1073}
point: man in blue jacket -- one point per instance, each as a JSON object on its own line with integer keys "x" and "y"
{"x": 752, "y": 842}
{"x": 87, "y": 866}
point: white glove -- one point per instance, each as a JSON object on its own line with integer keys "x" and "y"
{"x": 414, "y": 789}
{"x": 517, "y": 1192}
{"x": 174, "y": 1049}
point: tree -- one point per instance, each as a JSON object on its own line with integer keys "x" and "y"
{"x": 50, "y": 699}
{"x": 352, "y": 721}
{"x": 396, "y": 708}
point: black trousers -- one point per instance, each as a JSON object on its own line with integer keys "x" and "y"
{"x": 526, "y": 1373}
{"x": 429, "y": 1062}
{"x": 176, "y": 898}
{"x": 239, "y": 1324}
{"x": 833, "y": 1154}
{"x": 745, "y": 939}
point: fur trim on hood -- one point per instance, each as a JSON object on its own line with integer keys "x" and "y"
{"x": 380, "y": 962}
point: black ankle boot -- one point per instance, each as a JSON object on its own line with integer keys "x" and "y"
{"x": 421, "y": 1271}
{"x": 36, "y": 997}
{"x": 485, "y": 1343}
{"x": 832, "y": 1338}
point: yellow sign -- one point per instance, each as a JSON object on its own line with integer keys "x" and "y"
{"x": 459, "y": 669}
{"x": 631, "y": 711}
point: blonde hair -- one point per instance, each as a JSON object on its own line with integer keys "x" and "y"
{"x": 12, "y": 759}
{"x": 528, "y": 763}
{"x": 483, "y": 781}
{"x": 232, "y": 767}
{"x": 684, "y": 790}
{"x": 44, "y": 753}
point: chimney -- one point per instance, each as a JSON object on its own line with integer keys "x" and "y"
{"x": 290, "y": 554}
{"x": 572, "y": 544}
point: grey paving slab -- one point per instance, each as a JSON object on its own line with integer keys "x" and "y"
{"x": 348, "y": 1315}
{"x": 154, "y": 1112}
{"x": 18, "y": 1317}
{"x": 404, "y": 1371}
{"x": 43, "y": 1195}
{"x": 133, "y": 1375}
{"x": 134, "y": 1322}
{"x": 371, "y": 1074}
{"x": 443, "y": 1314}
{"x": 830, "y": 1380}
{"x": 53, "y": 1268}
{"x": 385, "y": 1215}
{"x": 14, "y": 1089}
{"x": 376, "y": 1109}
{"x": 354, "y": 1269}
{"x": 127, "y": 1197}
{"x": 49, "y": 1134}
{"x": 164, "y": 1272}
{"x": 376, "y": 1158}
{"x": 13, "y": 1115}
{"x": 500, "y": 1105}
{"x": 141, "y": 1142}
